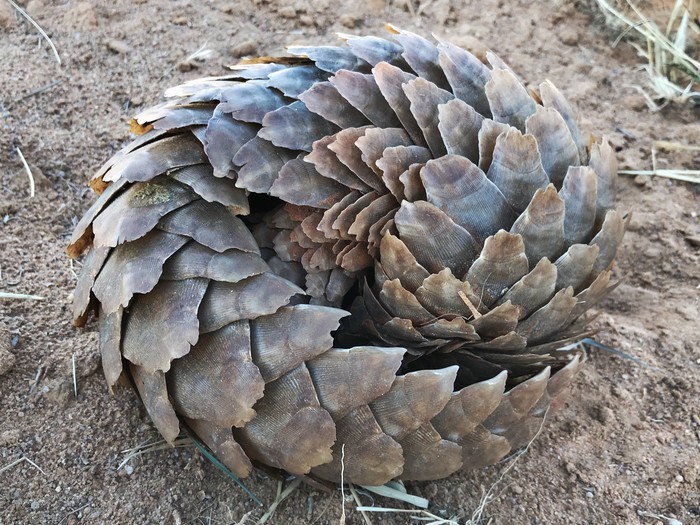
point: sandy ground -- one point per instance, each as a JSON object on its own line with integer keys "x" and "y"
{"x": 626, "y": 449}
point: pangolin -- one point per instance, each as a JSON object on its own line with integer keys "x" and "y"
{"x": 380, "y": 251}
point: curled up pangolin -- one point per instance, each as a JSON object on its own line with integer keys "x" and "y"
{"x": 383, "y": 248}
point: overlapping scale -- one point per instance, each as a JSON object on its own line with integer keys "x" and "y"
{"x": 365, "y": 258}
{"x": 516, "y": 168}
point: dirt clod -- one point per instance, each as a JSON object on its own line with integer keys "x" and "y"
{"x": 59, "y": 392}
{"x": 7, "y": 361}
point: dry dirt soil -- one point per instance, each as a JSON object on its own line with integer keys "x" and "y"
{"x": 626, "y": 449}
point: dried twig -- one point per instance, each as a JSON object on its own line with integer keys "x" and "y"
{"x": 38, "y": 28}
{"x": 33, "y": 384}
{"x": 469, "y": 304}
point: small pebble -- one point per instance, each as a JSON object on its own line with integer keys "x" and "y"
{"x": 605, "y": 415}
{"x": 129, "y": 470}
{"x": 643, "y": 181}
{"x": 680, "y": 479}
{"x": 247, "y": 48}
{"x": 693, "y": 240}
{"x": 186, "y": 66}
{"x": 568, "y": 35}
{"x": 287, "y": 12}
{"x": 306, "y": 20}
{"x": 431, "y": 490}
{"x": 635, "y": 102}
{"x": 118, "y": 46}
{"x": 350, "y": 21}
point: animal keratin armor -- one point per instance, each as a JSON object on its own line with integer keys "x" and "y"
{"x": 383, "y": 248}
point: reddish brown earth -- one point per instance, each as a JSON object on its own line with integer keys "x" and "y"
{"x": 625, "y": 449}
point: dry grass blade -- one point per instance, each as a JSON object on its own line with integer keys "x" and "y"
{"x": 28, "y": 171}
{"x": 201, "y": 54}
{"x": 667, "y": 60}
{"x": 356, "y": 497}
{"x": 74, "y": 511}
{"x": 218, "y": 464}
{"x": 148, "y": 446}
{"x": 20, "y": 460}
{"x": 389, "y": 491}
{"x": 10, "y": 295}
{"x": 669, "y": 521}
{"x": 281, "y": 496}
{"x": 478, "y": 514}
{"x": 395, "y": 490}
{"x": 667, "y": 145}
{"x": 75, "y": 379}
{"x": 676, "y": 174}
{"x": 38, "y": 28}
{"x": 615, "y": 351}
{"x": 417, "y": 515}
{"x": 684, "y": 175}
{"x": 342, "y": 483}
